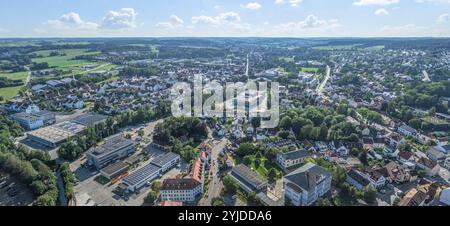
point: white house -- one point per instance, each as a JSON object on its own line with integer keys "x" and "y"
{"x": 183, "y": 190}
{"x": 430, "y": 167}
{"x": 306, "y": 184}
{"x": 407, "y": 131}
{"x": 291, "y": 159}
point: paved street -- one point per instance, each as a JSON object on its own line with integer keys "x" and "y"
{"x": 215, "y": 185}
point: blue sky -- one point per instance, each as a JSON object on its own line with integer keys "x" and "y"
{"x": 272, "y": 18}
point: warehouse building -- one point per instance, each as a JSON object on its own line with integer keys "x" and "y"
{"x": 115, "y": 171}
{"x": 52, "y": 136}
{"x": 153, "y": 170}
{"x": 114, "y": 148}
{"x": 141, "y": 177}
{"x": 34, "y": 120}
{"x": 166, "y": 161}
{"x": 248, "y": 179}
{"x": 89, "y": 119}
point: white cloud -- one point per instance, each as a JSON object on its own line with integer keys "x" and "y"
{"x": 310, "y": 24}
{"x": 408, "y": 30}
{"x": 72, "y": 21}
{"x": 122, "y": 19}
{"x": 174, "y": 22}
{"x": 444, "y": 18}
{"x": 375, "y": 2}
{"x": 293, "y": 3}
{"x": 229, "y": 17}
{"x": 174, "y": 19}
{"x": 381, "y": 12}
{"x": 252, "y": 6}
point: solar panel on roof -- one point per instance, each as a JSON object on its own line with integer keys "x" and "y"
{"x": 141, "y": 174}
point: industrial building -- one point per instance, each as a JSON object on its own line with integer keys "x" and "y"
{"x": 34, "y": 120}
{"x": 153, "y": 170}
{"x": 141, "y": 177}
{"x": 166, "y": 161}
{"x": 113, "y": 148}
{"x": 54, "y": 135}
{"x": 248, "y": 179}
{"x": 116, "y": 170}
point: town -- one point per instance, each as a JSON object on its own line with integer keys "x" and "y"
{"x": 88, "y": 122}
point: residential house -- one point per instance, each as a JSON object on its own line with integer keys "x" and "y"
{"x": 396, "y": 173}
{"x": 430, "y": 167}
{"x": 407, "y": 131}
{"x": 355, "y": 178}
{"x": 436, "y": 155}
{"x": 291, "y": 159}
{"x": 405, "y": 156}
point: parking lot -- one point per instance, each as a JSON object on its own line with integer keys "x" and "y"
{"x": 13, "y": 193}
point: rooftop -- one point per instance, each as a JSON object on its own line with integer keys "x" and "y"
{"x": 308, "y": 176}
{"x": 180, "y": 184}
{"x": 89, "y": 119}
{"x": 296, "y": 154}
{"x": 141, "y": 174}
{"x": 249, "y": 175}
{"x": 114, "y": 168}
{"x": 111, "y": 144}
{"x": 58, "y": 132}
{"x": 164, "y": 159}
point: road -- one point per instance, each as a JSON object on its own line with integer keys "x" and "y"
{"x": 215, "y": 184}
{"x": 62, "y": 196}
{"x": 322, "y": 85}
{"x": 426, "y": 76}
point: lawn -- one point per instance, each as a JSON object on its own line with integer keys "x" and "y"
{"x": 310, "y": 69}
{"x": 9, "y": 92}
{"x": 263, "y": 168}
{"x": 64, "y": 61}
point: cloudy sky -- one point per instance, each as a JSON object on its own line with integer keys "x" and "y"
{"x": 220, "y": 18}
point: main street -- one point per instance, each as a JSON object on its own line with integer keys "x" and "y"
{"x": 322, "y": 85}
{"x": 215, "y": 184}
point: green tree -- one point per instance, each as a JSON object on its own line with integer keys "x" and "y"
{"x": 217, "y": 201}
{"x": 323, "y": 202}
{"x": 369, "y": 194}
{"x": 151, "y": 197}
{"x": 230, "y": 185}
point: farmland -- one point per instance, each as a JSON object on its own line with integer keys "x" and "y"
{"x": 65, "y": 61}
{"x": 8, "y": 92}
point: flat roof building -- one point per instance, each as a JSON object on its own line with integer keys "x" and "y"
{"x": 166, "y": 161}
{"x": 115, "y": 170}
{"x": 141, "y": 177}
{"x": 248, "y": 179}
{"x": 89, "y": 119}
{"x": 114, "y": 148}
{"x": 52, "y": 136}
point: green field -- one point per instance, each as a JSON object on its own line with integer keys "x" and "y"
{"x": 336, "y": 47}
{"x": 15, "y": 76}
{"x": 17, "y": 44}
{"x": 64, "y": 61}
{"x": 310, "y": 69}
{"x": 9, "y": 92}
